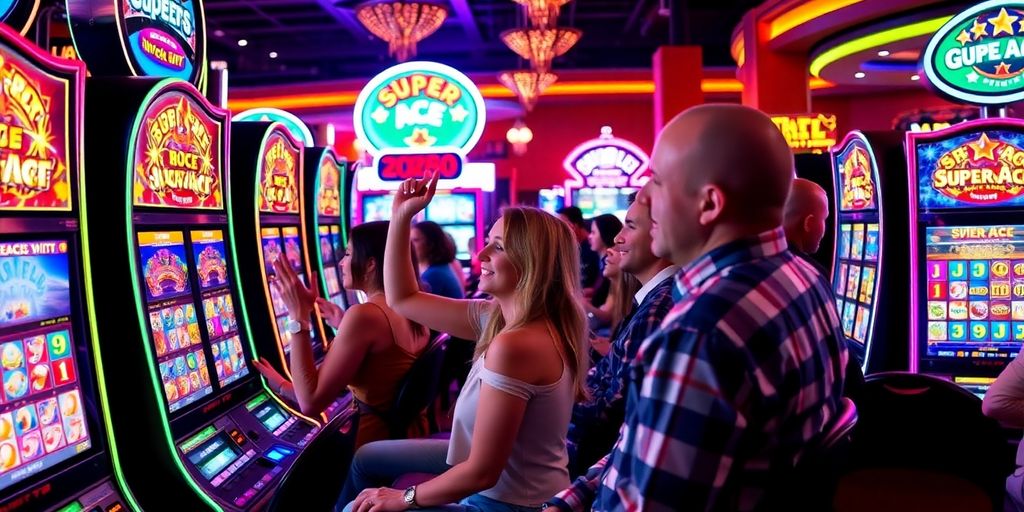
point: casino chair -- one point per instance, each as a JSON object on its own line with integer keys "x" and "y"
{"x": 419, "y": 388}
{"x": 922, "y": 443}
{"x": 811, "y": 484}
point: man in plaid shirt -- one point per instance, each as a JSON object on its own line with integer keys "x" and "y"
{"x": 595, "y": 422}
{"x": 747, "y": 368}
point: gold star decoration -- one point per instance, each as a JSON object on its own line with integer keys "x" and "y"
{"x": 420, "y": 137}
{"x": 1003, "y": 69}
{"x": 1003, "y": 23}
{"x": 984, "y": 148}
{"x": 963, "y": 38}
{"x": 458, "y": 113}
{"x": 979, "y": 30}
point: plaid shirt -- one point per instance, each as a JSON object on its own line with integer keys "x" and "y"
{"x": 746, "y": 370}
{"x": 597, "y": 420}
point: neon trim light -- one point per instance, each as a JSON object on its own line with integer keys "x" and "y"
{"x": 881, "y": 38}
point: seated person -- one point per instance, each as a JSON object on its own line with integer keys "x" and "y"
{"x": 507, "y": 450}
{"x": 600, "y": 236}
{"x": 596, "y": 421}
{"x": 590, "y": 261}
{"x": 623, "y": 286}
{"x": 435, "y": 255}
{"x": 374, "y": 347}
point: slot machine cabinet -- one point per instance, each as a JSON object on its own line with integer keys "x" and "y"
{"x": 327, "y": 229}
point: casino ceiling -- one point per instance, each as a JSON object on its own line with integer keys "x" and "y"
{"x": 314, "y": 40}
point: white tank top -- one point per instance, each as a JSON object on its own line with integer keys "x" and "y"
{"x": 536, "y": 468}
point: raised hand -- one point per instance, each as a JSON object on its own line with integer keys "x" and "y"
{"x": 297, "y": 297}
{"x": 330, "y": 311}
{"x": 413, "y": 196}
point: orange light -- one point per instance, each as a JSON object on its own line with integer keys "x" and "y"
{"x": 582, "y": 88}
{"x": 799, "y": 15}
{"x": 738, "y": 51}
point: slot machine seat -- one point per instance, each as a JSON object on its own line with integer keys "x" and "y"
{"x": 922, "y": 442}
{"x": 812, "y": 482}
{"x": 419, "y": 388}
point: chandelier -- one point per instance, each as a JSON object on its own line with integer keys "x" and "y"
{"x": 527, "y": 85}
{"x": 540, "y": 46}
{"x": 401, "y": 23}
{"x": 542, "y": 13}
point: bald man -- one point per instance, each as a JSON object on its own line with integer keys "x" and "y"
{"x": 805, "y": 215}
{"x": 747, "y": 368}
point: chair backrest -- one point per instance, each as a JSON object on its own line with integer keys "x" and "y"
{"x": 419, "y": 387}
{"x": 919, "y": 422}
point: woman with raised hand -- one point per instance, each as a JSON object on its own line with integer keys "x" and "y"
{"x": 507, "y": 451}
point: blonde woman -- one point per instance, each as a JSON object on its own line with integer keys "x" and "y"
{"x": 507, "y": 451}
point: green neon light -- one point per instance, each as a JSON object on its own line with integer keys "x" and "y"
{"x": 194, "y": 441}
{"x": 160, "y": 87}
{"x": 94, "y": 333}
{"x": 255, "y": 402}
{"x": 876, "y": 39}
{"x": 342, "y": 209}
{"x": 74, "y": 506}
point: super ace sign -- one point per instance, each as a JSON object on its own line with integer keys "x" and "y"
{"x": 421, "y": 106}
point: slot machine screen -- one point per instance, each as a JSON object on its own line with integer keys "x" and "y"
{"x": 173, "y": 319}
{"x": 975, "y": 291}
{"x": 218, "y": 306}
{"x": 597, "y": 201}
{"x": 42, "y": 417}
{"x": 377, "y": 207}
{"x": 461, "y": 234}
{"x": 455, "y": 208}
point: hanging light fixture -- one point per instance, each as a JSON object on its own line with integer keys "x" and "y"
{"x": 519, "y": 136}
{"x": 542, "y": 13}
{"x": 401, "y": 24}
{"x": 527, "y": 85}
{"x": 541, "y": 46}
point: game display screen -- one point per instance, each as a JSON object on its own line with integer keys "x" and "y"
{"x": 42, "y": 420}
{"x": 975, "y": 291}
{"x": 455, "y": 208}
{"x": 377, "y": 207}
{"x": 550, "y": 200}
{"x": 598, "y": 201}
{"x": 188, "y": 335}
{"x": 339, "y": 254}
{"x": 461, "y": 234}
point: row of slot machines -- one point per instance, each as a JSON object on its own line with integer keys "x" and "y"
{"x": 135, "y": 253}
{"x": 930, "y": 249}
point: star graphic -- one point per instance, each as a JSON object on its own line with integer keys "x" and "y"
{"x": 1003, "y": 69}
{"x": 380, "y": 115}
{"x": 963, "y": 38}
{"x": 1002, "y": 23}
{"x": 972, "y": 77}
{"x": 458, "y": 113}
{"x": 420, "y": 137}
{"x": 979, "y": 30}
{"x": 984, "y": 148}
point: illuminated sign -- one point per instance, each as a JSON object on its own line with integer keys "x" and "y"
{"x": 978, "y": 55}
{"x": 808, "y": 133}
{"x": 475, "y": 175}
{"x": 401, "y": 167}
{"x": 419, "y": 105}
{"x": 856, "y": 170}
{"x": 159, "y": 38}
{"x": 19, "y": 14}
{"x": 295, "y": 126}
{"x": 328, "y": 200}
{"x": 34, "y": 137}
{"x": 177, "y": 156}
{"x": 973, "y": 167}
{"x": 606, "y": 162}
{"x": 279, "y": 173}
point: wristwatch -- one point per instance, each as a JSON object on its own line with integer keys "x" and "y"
{"x": 410, "y": 497}
{"x": 295, "y": 326}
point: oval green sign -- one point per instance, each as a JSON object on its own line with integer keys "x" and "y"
{"x": 420, "y": 106}
{"x": 978, "y": 55}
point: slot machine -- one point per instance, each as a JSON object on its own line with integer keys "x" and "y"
{"x": 967, "y": 237}
{"x": 869, "y": 267}
{"x": 55, "y": 446}
{"x": 327, "y": 232}
{"x": 194, "y": 421}
{"x": 270, "y": 223}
